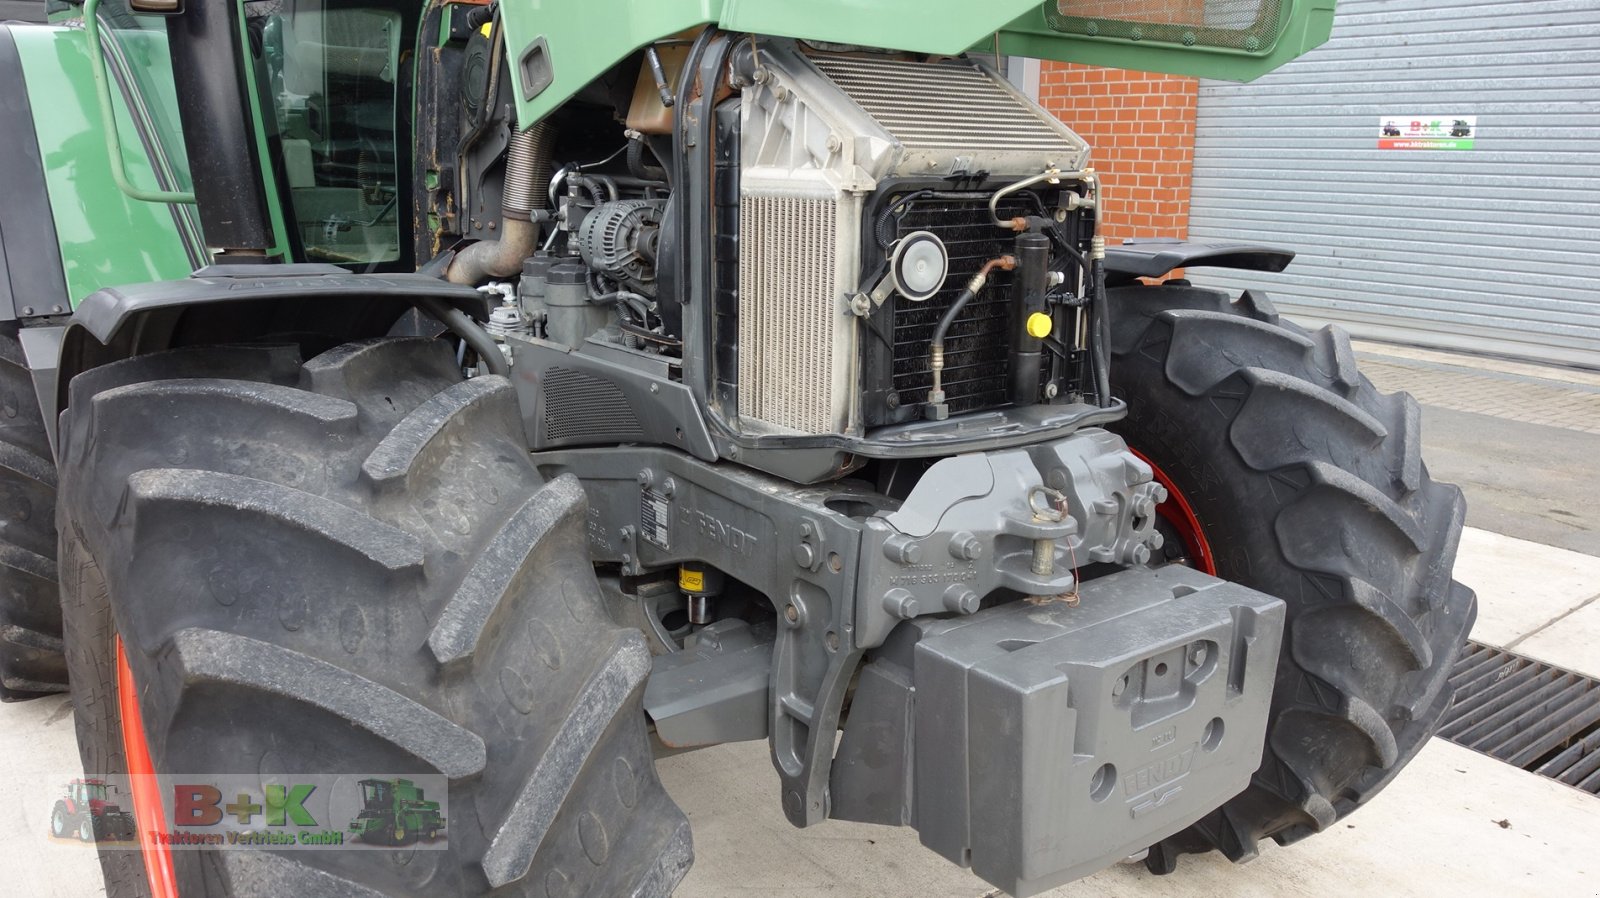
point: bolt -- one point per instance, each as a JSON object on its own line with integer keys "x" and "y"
{"x": 900, "y": 549}
{"x": 27, "y": 310}
{"x": 832, "y": 639}
{"x": 791, "y": 613}
{"x": 806, "y": 529}
{"x": 805, "y": 555}
{"x": 965, "y": 546}
{"x": 645, "y": 477}
{"x": 835, "y": 563}
{"x": 669, "y": 487}
{"x": 960, "y": 599}
{"x": 900, "y": 603}
{"x": 655, "y": 388}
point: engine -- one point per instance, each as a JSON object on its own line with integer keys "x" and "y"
{"x": 891, "y": 245}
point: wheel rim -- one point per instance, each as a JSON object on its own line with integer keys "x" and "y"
{"x": 145, "y": 790}
{"x": 58, "y": 823}
{"x": 1180, "y": 516}
{"x": 86, "y": 830}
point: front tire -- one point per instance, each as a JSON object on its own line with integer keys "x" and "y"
{"x": 352, "y": 566}
{"x": 1308, "y": 484}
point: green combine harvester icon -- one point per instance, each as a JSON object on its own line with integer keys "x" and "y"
{"x": 394, "y": 812}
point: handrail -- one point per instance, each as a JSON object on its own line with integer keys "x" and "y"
{"x": 102, "y": 87}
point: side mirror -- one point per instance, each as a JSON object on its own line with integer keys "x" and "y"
{"x": 156, "y": 7}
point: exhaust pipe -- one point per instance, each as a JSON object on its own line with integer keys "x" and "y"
{"x": 527, "y": 177}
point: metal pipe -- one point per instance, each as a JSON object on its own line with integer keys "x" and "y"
{"x": 527, "y": 173}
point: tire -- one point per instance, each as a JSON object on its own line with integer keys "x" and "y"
{"x": 1309, "y": 485}
{"x": 59, "y": 821}
{"x": 31, "y": 658}
{"x": 352, "y": 566}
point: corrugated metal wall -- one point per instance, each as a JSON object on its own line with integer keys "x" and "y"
{"x": 1493, "y": 249}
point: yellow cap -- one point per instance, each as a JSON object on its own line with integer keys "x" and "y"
{"x": 1039, "y": 325}
{"x": 691, "y": 581}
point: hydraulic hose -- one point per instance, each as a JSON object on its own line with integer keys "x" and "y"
{"x": 527, "y": 175}
{"x": 469, "y": 332}
{"x": 936, "y": 347}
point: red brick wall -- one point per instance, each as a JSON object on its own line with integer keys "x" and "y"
{"x": 1140, "y": 127}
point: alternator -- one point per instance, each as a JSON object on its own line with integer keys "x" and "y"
{"x": 619, "y": 239}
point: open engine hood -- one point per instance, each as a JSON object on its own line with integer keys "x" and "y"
{"x": 558, "y": 47}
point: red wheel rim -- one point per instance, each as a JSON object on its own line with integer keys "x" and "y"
{"x": 148, "y": 815}
{"x": 1180, "y": 516}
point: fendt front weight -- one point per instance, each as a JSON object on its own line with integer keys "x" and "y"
{"x": 557, "y": 382}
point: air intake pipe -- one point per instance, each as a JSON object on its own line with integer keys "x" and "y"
{"x": 527, "y": 178}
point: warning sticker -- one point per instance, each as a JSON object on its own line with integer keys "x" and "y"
{"x": 655, "y": 519}
{"x": 1427, "y": 132}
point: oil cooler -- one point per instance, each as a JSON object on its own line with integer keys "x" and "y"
{"x": 819, "y": 135}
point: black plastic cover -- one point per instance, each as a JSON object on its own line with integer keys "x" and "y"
{"x": 1154, "y": 257}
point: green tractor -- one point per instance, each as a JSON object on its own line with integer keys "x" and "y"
{"x": 501, "y": 391}
{"x": 395, "y": 812}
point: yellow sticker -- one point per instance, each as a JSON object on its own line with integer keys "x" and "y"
{"x": 691, "y": 581}
{"x": 484, "y": 30}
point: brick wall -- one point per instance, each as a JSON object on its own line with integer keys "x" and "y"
{"x": 1140, "y": 126}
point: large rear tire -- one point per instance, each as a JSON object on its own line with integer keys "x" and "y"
{"x": 1307, "y": 484}
{"x": 31, "y": 660}
{"x": 352, "y": 566}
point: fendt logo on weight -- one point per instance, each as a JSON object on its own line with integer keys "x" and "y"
{"x": 1157, "y": 774}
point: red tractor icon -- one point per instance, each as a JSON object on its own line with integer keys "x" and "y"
{"x": 84, "y": 810}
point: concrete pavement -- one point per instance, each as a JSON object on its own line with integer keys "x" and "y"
{"x": 1455, "y": 823}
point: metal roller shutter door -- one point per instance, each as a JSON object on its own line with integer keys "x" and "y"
{"x": 1493, "y": 249}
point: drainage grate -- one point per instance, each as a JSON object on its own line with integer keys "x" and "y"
{"x": 1527, "y": 713}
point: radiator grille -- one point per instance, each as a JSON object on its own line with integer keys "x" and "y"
{"x": 788, "y": 312}
{"x": 977, "y": 346}
{"x": 948, "y": 106}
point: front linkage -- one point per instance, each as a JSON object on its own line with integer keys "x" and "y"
{"x": 1159, "y": 663}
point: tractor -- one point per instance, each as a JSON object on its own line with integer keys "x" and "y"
{"x": 395, "y": 812}
{"x": 85, "y": 811}
{"x": 508, "y": 391}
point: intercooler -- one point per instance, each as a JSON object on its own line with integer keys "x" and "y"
{"x": 820, "y": 136}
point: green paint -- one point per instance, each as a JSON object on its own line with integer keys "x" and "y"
{"x": 102, "y": 88}
{"x": 579, "y": 51}
{"x": 1303, "y": 25}
{"x": 106, "y": 237}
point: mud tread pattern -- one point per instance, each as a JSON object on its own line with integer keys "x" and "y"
{"x": 518, "y": 836}
{"x": 492, "y": 578}
{"x": 1343, "y": 523}
{"x": 402, "y": 451}
{"x": 379, "y": 543}
{"x": 209, "y": 656}
{"x": 28, "y": 602}
{"x": 333, "y": 659}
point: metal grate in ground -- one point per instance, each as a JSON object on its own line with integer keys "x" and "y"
{"x": 1527, "y": 713}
